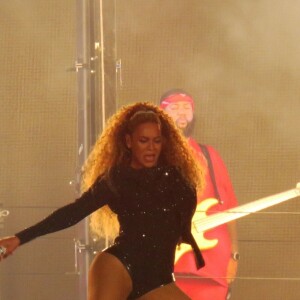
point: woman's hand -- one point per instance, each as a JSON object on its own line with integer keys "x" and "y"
{"x": 8, "y": 245}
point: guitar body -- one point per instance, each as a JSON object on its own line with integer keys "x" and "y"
{"x": 201, "y": 222}
{"x": 202, "y": 242}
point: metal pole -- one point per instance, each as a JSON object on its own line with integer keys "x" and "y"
{"x": 82, "y": 66}
{"x": 91, "y": 98}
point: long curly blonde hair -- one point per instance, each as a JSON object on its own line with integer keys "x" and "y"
{"x": 110, "y": 150}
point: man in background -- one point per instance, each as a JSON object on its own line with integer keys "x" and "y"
{"x": 219, "y": 245}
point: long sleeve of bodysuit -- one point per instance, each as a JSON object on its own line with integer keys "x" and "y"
{"x": 97, "y": 196}
{"x": 188, "y": 198}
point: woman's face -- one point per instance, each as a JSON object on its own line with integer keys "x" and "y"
{"x": 145, "y": 144}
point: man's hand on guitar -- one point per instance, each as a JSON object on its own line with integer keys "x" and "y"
{"x": 231, "y": 270}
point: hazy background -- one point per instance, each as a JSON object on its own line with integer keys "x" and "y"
{"x": 38, "y": 142}
{"x": 240, "y": 61}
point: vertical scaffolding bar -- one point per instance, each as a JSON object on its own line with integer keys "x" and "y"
{"x": 95, "y": 68}
{"x": 84, "y": 127}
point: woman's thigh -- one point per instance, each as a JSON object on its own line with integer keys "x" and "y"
{"x": 167, "y": 292}
{"x": 108, "y": 279}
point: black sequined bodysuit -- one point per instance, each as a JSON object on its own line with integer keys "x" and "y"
{"x": 154, "y": 208}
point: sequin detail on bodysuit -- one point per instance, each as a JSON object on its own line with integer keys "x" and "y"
{"x": 154, "y": 208}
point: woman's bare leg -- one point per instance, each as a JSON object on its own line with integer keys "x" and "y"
{"x": 108, "y": 279}
{"x": 167, "y": 292}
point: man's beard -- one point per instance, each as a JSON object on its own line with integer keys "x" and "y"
{"x": 189, "y": 129}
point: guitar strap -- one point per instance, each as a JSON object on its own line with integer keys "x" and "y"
{"x": 211, "y": 170}
{"x": 213, "y": 179}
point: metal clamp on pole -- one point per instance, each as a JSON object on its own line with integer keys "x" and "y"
{"x": 3, "y": 213}
{"x": 78, "y": 65}
{"x": 78, "y": 248}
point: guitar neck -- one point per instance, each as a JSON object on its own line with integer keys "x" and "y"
{"x": 217, "y": 219}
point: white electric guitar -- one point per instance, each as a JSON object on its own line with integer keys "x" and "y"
{"x": 201, "y": 222}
